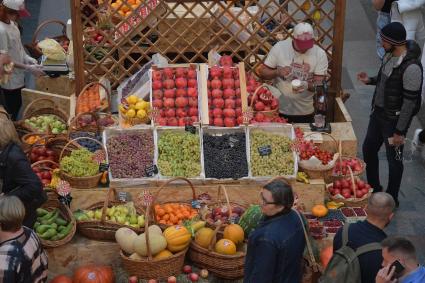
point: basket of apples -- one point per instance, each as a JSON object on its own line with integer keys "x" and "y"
{"x": 353, "y": 191}
{"x": 341, "y": 169}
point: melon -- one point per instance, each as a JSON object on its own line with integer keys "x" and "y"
{"x": 250, "y": 219}
{"x": 125, "y": 238}
{"x": 235, "y": 233}
{"x": 225, "y": 247}
{"x": 163, "y": 255}
{"x": 204, "y": 236}
{"x": 157, "y": 243}
{"x": 154, "y": 229}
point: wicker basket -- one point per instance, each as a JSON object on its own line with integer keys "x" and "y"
{"x": 352, "y": 202}
{"x": 163, "y": 226}
{"x": 322, "y": 171}
{"x": 75, "y": 127}
{"x": 229, "y": 267}
{"x": 26, "y": 145}
{"x": 356, "y": 174}
{"x": 148, "y": 268}
{"x": 81, "y": 182}
{"x": 268, "y": 113}
{"x": 42, "y": 106}
{"x": 104, "y": 230}
{"x": 56, "y": 144}
{"x": 66, "y": 214}
{"x": 106, "y": 106}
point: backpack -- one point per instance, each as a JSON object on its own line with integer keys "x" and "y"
{"x": 344, "y": 265}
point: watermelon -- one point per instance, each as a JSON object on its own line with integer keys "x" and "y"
{"x": 250, "y": 219}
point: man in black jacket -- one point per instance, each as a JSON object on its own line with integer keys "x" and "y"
{"x": 396, "y": 101}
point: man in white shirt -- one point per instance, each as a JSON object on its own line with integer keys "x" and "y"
{"x": 291, "y": 59}
{"x": 10, "y": 41}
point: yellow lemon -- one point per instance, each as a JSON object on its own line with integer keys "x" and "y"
{"x": 141, "y": 114}
{"x": 139, "y": 105}
{"x": 132, "y": 99}
{"x": 145, "y": 105}
{"x": 131, "y": 113}
{"x": 122, "y": 109}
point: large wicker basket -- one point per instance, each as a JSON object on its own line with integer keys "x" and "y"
{"x": 74, "y": 125}
{"x": 229, "y": 267}
{"x": 81, "y": 182}
{"x": 148, "y": 268}
{"x": 66, "y": 214}
{"x": 103, "y": 106}
{"x": 104, "y": 230}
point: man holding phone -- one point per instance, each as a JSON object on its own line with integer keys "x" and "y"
{"x": 400, "y": 263}
{"x": 397, "y": 99}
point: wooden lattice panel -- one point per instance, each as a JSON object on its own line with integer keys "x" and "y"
{"x": 185, "y": 32}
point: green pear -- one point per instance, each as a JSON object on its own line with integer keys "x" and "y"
{"x": 110, "y": 211}
{"x": 121, "y": 219}
{"x": 124, "y": 210}
{"x": 133, "y": 219}
{"x": 90, "y": 214}
{"x": 141, "y": 220}
{"x": 98, "y": 214}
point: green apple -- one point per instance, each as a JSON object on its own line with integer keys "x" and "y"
{"x": 141, "y": 220}
{"x": 133, "y": 219}
{"x": 98, "y": 214}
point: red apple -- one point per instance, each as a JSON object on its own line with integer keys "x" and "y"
{"x": 192, "y": 92}
{"x": 187, "y": 269}
{"x": 157, "y": 93}
{"x": 172, "y": 121}
{"x": 157, "y": 103}
{"x": 191, "y": 73}
{"x": 193, "y": 111}
{"x": 215, "y": 72}
{"x": 259, "y": 106}
{"x": 161, "y": 121}
{"x": 217, "y": 93}
{"x": 169, "y": 102}
{"x": 259, "y": 117}
{"x": 156, "y": 75}
{"x": 181, "y": 83}
{"x": 229, "y": 113}
{"x": 192, "y": 83}
{"x": 229, "y": 93}
{"x": 183, "y": 122}
{"x": 217, "y": 112}
{"x": 228, "y": 83}
{"x": 168, "y": 73}
{"x": 170, "y": 113}
{"x": 193, "y": 102}
{"x": 181, "y": 92}
{"x": 180, "y": 73}
{"x": 218, "y": 102}
{"x": 181, "y": 112}
{"x": 182, "y": 102}
{"x": 156, "y": 85}
{"x": 215, "y": 83}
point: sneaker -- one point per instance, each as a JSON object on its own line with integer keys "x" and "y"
{"x": 416, "y": 144}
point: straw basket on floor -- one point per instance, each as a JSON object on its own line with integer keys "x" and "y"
{"x": 148, "y": 268}
{"x": 104, "y": 230}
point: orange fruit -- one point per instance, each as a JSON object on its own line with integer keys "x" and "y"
{"x": 160, "y": 212}
{"x": 166, "y": 217}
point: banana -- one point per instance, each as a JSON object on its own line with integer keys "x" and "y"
{"x": 302, "y": 177}
{"x": 198, "y": 225}
{"x": 334, "y": 205}
{"x": 55, "y": 179}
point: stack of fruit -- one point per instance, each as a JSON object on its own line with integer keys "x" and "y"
{"x": 174, "y": 213}
{"x": 222, "y": 214}
{"x": 89, "y": 100}
{"x": 307, "y": 151}
{"x": 126, "y": 7}
{"x": 91, "y": 120}
{"x": 265, "y": 107}
{"x": 45, "y": 123}
{"x": 44, "y": 172}
{"x": 33, "y": 138}
{"x": 80, "y": 164}
{"x": 341, "y": 167}
{"x": 51, "y": 226}
{"x": 41, "y": 152}
{"x": 134, "y": 110}
{"x": 175, "y": 96}
{"x": 344, "y": 188}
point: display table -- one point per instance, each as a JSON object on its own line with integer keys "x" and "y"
{"x": 62, "y": 85}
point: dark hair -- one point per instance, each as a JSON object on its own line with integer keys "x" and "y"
{"x": 401, "y": 245}
{"x": 281, "y": 192}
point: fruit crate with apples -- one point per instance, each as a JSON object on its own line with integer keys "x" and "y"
{"x": 351, "y": 191}
{"x": 353, "y": 214}
{"x": 225, "y": 153}
{"x": 174, "y": 95}
{"x": 130, "y": 155}
{"x": 258, "y": 153}
{"x": 341, "y": 170}
{"x": 223, "y": 92}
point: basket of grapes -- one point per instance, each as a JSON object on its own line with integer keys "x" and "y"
{"x": 80, "y": 167}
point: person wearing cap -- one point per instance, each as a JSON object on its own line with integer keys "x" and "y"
{"x": 299, "y": 60}
{"x": 10, "y": 41}
{"x": 396, "y": 100}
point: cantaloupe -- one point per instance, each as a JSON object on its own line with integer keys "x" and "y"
{"x": 157, "y": 243}
{"x": 164, "y": 254}
{"x": 125, "y": 238}
{"x": 203, "y": 237}
{"x": 154, "y": 229}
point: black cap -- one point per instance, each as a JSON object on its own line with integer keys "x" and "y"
{"x": 394, "y": 33}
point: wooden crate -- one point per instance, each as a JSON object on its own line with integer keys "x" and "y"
{"x": 310, "y": 194}
{"x": 62, "y": 85}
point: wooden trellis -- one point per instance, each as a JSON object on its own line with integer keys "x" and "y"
{"x": 114, "y": 38}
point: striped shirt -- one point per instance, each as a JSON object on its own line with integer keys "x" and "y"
{"x": 22, "y": 259}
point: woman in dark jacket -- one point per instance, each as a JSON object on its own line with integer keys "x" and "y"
{"x": 16, "y": 175}
{"x": 275, "y": 248}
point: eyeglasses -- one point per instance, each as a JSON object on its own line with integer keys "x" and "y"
{"x": 265, "y": 202}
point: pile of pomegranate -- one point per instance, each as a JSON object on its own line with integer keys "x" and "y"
{"x": 175, "y": 95}
{"x": 341, "y": 168}
{"x": 345, "y": 188}
{"x": 307, "y": 149}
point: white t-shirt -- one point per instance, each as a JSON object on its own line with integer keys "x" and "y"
{"x": 10, "y": 41}
{"x": 303, "y": 66}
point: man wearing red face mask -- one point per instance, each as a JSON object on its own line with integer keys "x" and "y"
{"x": 295, "y": 65}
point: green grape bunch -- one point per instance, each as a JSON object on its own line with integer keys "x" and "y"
{"x": 281, "y": 160}
{"x": 80, "y": 163}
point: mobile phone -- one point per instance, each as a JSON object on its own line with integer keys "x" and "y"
{"x": 398, "y": 269}
{"x": 390, "y": 141}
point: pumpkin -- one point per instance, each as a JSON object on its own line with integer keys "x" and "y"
{"x": 125, "y": 238}
{"x": 94, "y": 274}
{"x": 235, "y": 233}
{"x": 61, "y": 279}
{"x": 178, "y": 237}
{"x": 319, "y": 210}
{"x": 204, "y": 236}
{"x": 326, "y": 255}
{"x": 163, "y": 255}
{"x": 250, "y": 219}
{"x": 157, "y": 243}
{"x": 225, "y": 247}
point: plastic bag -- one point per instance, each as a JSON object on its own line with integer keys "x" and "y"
{"x": 52, "y": 49}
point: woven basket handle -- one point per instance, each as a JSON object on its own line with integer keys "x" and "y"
{"x": 108, "y": 93}
{"x": 214, "y": 237}
{"x": 222, "y": 188}
{"x": 45, "y": 23}
{"x": 35, "y": 164}
{"x": 26, "y": 113}
{"x": 254, "y": 95}
{"x": 111, "y": 195}
{"x": 148, "y": 208}
{"x": 337, "y": 143}
{"x": 175, "y": 179}
{"x": 81, "y": 138}
{"x": 353, "y": 182}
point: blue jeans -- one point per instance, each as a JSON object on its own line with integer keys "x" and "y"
{"x": 382, "y": 20}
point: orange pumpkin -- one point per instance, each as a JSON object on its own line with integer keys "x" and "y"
{"x": 319, "y": 210}
{"x": 61, "y": 279}
{"x": 94, "y": 274}
{"x": 235, "y": 233}
{"x": 326, "y": 255}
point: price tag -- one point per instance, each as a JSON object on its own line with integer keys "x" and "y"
{"x": 233, "y": 141}
{"x": 123, "y": 196}
{"x": 190, "y": 129}
{"x": 151, "y": 170}
{"x": 265, "y": 150}
{"x": 103, "y": 167}
{"x": 147, "y": 198}
{"x": 196, "y": 204}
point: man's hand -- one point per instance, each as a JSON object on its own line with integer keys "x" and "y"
{"x": 384, "y": 277}
{"x": 4, "y": 60}
{"x": 398, "y": 140}
{"x": 363, "y": 77}
{"x": 284, "y": 72}
{"x": 36, "y": 70}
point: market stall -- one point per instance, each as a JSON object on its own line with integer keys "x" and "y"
{"x": 195, "y": 133}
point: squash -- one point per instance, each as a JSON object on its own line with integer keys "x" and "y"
{"x": 319, "y": 210}
{"x": 135, "y": 256}
{"x": 125, "y": 238}
{"x": 178, "y": 237}
{"x": 250, "y": 219}
{"x": 204, "y": 236}
{"x": 157, "y": 243}
{"x": 225, "y": 247}
{"x": 163, "y": 255}
{"x": 61, "y": 279}
{"x": 235, "y": 233}
{"x": 94, "y": 274}
{"x": 154, "y": 229}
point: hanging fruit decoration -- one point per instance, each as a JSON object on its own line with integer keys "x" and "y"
{"x": 306, "y": 6}
{"x": 317, "y": 16}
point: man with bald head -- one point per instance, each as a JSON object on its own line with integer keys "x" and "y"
{"x": 380, "y": 211}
